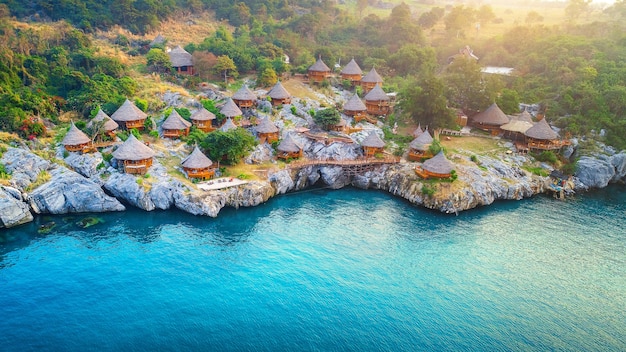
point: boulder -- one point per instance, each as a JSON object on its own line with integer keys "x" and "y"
{"x": 24, "y": 166}
{"x": 85, "y": 164}
{"x": 619, "y": 163}
{"x": 261, "y": 153}
{"x": 13, "y": 211}
{"x": 127, "y": 188}
{"x": 594, "y": 173}
{"x": 282, "y": 181}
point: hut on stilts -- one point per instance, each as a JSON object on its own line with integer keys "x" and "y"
{"x": 197, "y": 165}
{"x": 490, "y": 120}
{"x": 541, "y": 137}
{"x": 377, "y": 102}
{"x": 267, "y": 131}
{"x": 135, "y": 156}
{"x": 175, "y": 126}
{"x": 244, "y": 98}
{"x": 129, "y": 116}
{"x": 203, "y": 120}
{"x": 419, "y": 147}
{"x": 104, "y": 124}
{"x": 319, "y": 71}
{"x": 288, "y": 148}
{"x": 436, "y": 167}
{"x": 372, "y": 145}
{"x": 370, "y": 80}
{"x": 279, "y": 95}
{"x": 182, "y": 61}
{"x": 352, "y": 72}
{"x": 76, "y": 140}
{"x": 355, "y": 108}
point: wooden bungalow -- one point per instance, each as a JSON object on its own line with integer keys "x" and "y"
{"x": 228, "y": 125}
{"x": 267, "y": 131}
{"x": 230, "y": 109}
{"x": 159, "y": 40}
{"x": 134, "y": 155}
{"x": 419, "y": 147}
{"x": 244, "y": 98}
{"x": 203, "y": 120}
{"x": 341, "y": 126}
{"x": 104, "y": 123}
{"x": 129, "y": 116}
{"x": 436, "y": 167}
{"x": 175, "y": 126}
{"x": 372, "y": 145}
{"x": 198, "y": 165}
{"x": 279, "y": 95}
{"x": 288, "y": 148}
{"x": 352, "y": 72}
{"x": 516, "y": 127}
{"x": 542, "y": 137}
{"x": 377, "y": 102}
{"x": 418, "y": 131}
{"x": 76, "y": 140}
{"x": 319, "y": 71}
{"x": 355, "y": 107}
{"x": 181, "y": 61}
{"x": 490, "y": 120}
{"x": 370, "y": 80}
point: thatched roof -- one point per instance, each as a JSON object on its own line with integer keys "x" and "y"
{"x": 196, "y": 160}
{"x": 75, "y": 136}
{"x": 541, "y": 130}
{"x": 355, "y": 104}
{"x": 491, "y": 116}
{"x": 202, "y": 114}
{"x": 319, "y": 66}
{"x": 278, "y": 92}
{"x": 376, "y": 94}
{"x": 175, "y": 122}
{"x": 288, "y": 145}
{"x": 372, "y": 77}
{"x": 128, "y": 112}
{"x": 517, "y": 125}
{"x": 525, "y": 116}
{"x": 244, "y": 93}
{"x": 228, "y": 125}
{"x": 438, "y": 164}
{"x": 266, "y": 126}
{"x": 422, "y": 142}
{"x": 352, "y": 68}
{"x": 230, "y": 109}
{"x": 158, "y": 40}
{"x": 418, "y": 131}
{"x": 179, "y": 57}
{"x": 109, "y": 124}
{"x": 373, "y": 141}
{"x": 341, "y": 123}
{"x": 133, "y": 149}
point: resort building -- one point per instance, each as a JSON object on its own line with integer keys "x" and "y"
{"x": 279, "y": 95}
{"x": 135, "y": 156}
{"x": 352, "y": 72}
{"x": 76, "y": 140}
{"x": 355, "y": 107}
{"x": 517, "y": 126}
{"x": 419, "y": 147}
{"x": 230, "y": 109}
{"x": 542, "y": 137}
{"x": 181, "y": 61}
{"x": 129, "y": 116}
{"x": 288, "y": 148}
{"x": 436, "y": 167}
{"x": 377, "y": 102}
{"x": 319, "y": 71}
{"x": 175, "y": 126}
{"x": 370, "y": 80}
{"x": 244, "y": 98}
{"x": 267, "y": 131}
{"x": 197, "y": 165}
{"x": 372, "y": 145}
{"x": 159, "y": 40}
{"x": 203, "y": 120}
{"x": 104, "y": 123}
{"x": 490, "y": 120}
{"x": 418, "y": 131}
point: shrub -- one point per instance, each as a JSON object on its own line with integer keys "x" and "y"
{"x": 547, "y": 156}
{"x": 474, "y": 158}
{"x": 142, "y": 104}
{"x": 3, "y": 172}
{"x": 123, "y": 135}
{"x": 80, "y": 124}
{"x": 66, "y": 154}
{"x": 428, "y": 190}
{"x": 154, "y": 134}
{"x": 293, "y": 110}
{"x": 100, "y": 166}
{"x": 570, "y": 168}
{"x": 107, "y": 157}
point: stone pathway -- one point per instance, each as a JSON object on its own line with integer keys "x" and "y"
{"x": 219, "y": 183}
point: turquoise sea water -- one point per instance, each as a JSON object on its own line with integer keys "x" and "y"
{"x": 345, "y": 270}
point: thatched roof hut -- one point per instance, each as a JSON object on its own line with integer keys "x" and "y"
{"x": 355, "y": 104}
{"x": 517, "y": 125}
{"x": 75, "y": 137}
{"x": 279, "y": 92}
{"x": 202, "y": 114}
{"x": 266, "y": 126}
{"x": 196, "y": 160}
{"x": 128, "y": 112}
{"x": 179, "y": 57}
{"x": 158, "y": 40}
{"x": 352, "y": 68}
{"x": 376, "y": 94}
{"x": 438, "y": 165}
{"x": 109, "y": 124}
{"x": 319, "y": 66}
{"x": 244, "y": 94}
{"x": 418, "y": 131}
{"x": 541, "y": 130}
{"x": 288, "y": 145}
{"x": 373, "y": 141}
{"x": 175, "y": 122}
{"x": 230, "y": 109}
{"x": 422, "y": 142}
{"x": 133, "y": 149}
{"x": 525, "y": 116}
{"x": 492, "y": 116}
{"x": 228, "y": 125}
{"x": 372, "y": 77}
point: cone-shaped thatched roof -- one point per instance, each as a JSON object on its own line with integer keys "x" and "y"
{"x": 179, "y": 57}
{"x": 133, "y": 149}
{"x": 492, "y": 116}
{"x": 266, "y": 126}
{"x": 418, "y": 131}
{"x": 352, "y": 68}
{"x": 278, "y": 92}
{"x": 422, "y": 142}
{"x": 438, "y": 164}
{"x": 196, "y": 160}
{"x": 525, "y": 116}
{"x": 175, "y": 122}
{"x": 372, "y": 77}
{"x": 228, "y": 125}
{"x": 109, "y": 124}
{"x": 128, "y": 112}
{"x": 288, "y": 145}
{"x": 319, "y": 66}
{"x": 230, "y": 109}
{"x": 517, "y": 125}
{"x": 541, "y": 130}
{"x": 355, "y": 104}
{"x": 244, "y": 93}
{"x": 376, "y": 94}
{"x": 158, "y": 40}
{"x": 202, "y": 114}
{"x": 373, "y": 141}
{"x": 75, "y": 136}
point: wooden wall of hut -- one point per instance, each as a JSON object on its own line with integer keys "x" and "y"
{"x": 425, "y": 174}
{"x": 175, "y": 133}
{"x": 244, "y": 104}
{"x": 203, "y": 173}
{"x": 378, "y": 107}
{"x": 354, "y": 79}
{"x": 136, "y": 124}
{"x": 276, "y": 102}
{"x": 371, "y": 151}
{"x": 318, "y": 76}
{"x": 269, "y": 137}
{"x": 204, "y": 126}
{"x": 286, "y": 155}
{"x": 77, "y": 147}
{"x": 419, "y": 155}
{"x": 137, "y": 166}
{"x": 185, "y": 70}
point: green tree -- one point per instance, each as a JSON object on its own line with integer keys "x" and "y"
{"x": 466, "y": 88}
{"x": 575, "y": 8}
{"x": 413, "y": 59}
{"x": 327, "y": 117}
{"x": 158, "y": 60}
{"x": 459, "y": 19}
{"x": 228, "y": 146}
{"x": 424, "y": 102}
{"x": 225, "y": 65}
{"x": 267, "y": 78}
{"x": 508, "y": 101}
{"x": 485, "y": 14}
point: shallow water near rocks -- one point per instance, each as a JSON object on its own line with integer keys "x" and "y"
{"x": 323, "y": 270}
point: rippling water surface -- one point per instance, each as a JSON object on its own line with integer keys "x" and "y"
{"x": 323, "y": 270}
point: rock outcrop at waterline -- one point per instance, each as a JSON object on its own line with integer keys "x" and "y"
{"x": 599, "y": 171}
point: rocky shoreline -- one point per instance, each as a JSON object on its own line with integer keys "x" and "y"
{"x": 39, "y": 186}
